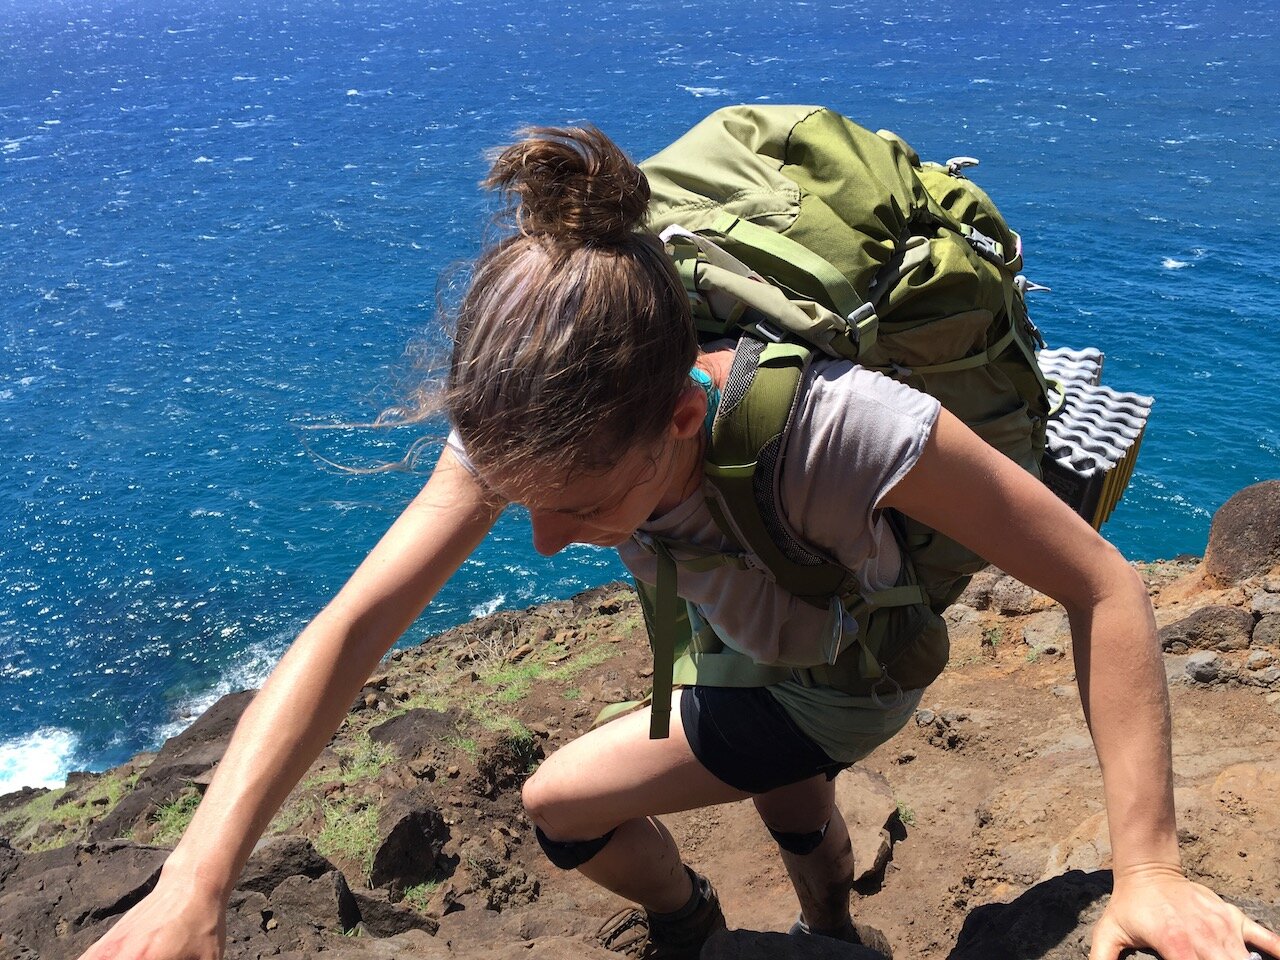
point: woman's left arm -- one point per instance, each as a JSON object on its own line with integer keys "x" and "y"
{"x": 972, "y": 493}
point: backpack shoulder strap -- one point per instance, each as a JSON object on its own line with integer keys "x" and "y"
{"x": 756, "y": 408}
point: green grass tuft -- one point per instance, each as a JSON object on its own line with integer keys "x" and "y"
{"x": 173, "y": 818}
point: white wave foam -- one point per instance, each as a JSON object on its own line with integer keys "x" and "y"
{"x": 707, "y": 91}
{"x": 247, "y": 672}
{"x": 1171, "y": 264}
{"x": 489, "y": 606}
{"x": 202, "y": 159}
{"x": 40, "y": 759}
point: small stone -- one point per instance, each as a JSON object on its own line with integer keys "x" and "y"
{"x": 925, "y": 718}
{"x": 1269, "y": 677}
{"x": 452, "y": 772}
{"x": 1271, "y": 584}
{"x": 370, "y": 701}
{"x": 1204, "y": 667}
{"x": 906, "y": 756}
{"x": 1063, "y": 692}
{"x": 1178, "y": 647}
{"x": 1259, "y": 660}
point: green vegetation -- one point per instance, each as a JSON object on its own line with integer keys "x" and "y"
{"x": 363, "y": 760}
{"x": 350, "y": 831}
{"x": 467, "y": 745}
{"x": 573, "y": 693}
{"x": 419, "y": 897}
{"x": 171, "y": 820}
{"x": 906, "y": 815}
{"x": 60, "y": 820}
{"x": 991, "y": 638}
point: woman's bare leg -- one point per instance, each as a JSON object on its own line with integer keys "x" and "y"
{"x": 823, "y": 878}
{"x": 616, "y": 778}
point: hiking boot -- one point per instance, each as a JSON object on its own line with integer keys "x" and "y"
{"x": 856, "y": 933}
{"x": 679, "y": 936}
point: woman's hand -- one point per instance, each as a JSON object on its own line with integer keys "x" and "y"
{"x": 178, "y": 920}
{"x": 1161, "y": 909}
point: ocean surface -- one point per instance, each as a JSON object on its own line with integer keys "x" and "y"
{"x": 221, "y": 225}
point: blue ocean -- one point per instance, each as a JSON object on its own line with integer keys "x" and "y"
{"x": 222, "y": 224}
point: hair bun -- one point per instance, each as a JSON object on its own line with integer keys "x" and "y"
{"x": 572, "y": 183}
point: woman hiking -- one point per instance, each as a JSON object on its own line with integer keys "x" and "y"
{"x": 577, "y": 389}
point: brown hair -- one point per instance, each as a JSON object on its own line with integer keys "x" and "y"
{"x": 574, "y": 339}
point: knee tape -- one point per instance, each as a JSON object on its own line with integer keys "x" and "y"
{"x": 570, "y": 854}
{"x": 800, "y": 843}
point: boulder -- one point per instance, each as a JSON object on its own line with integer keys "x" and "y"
{"x": 1209, "y": 628}
{"x": 1244, "y": 539}
{"x": 1266, "y": 633}
{"x": 303, "y": 907}
{"x": 1205, "y": 667}
{"x": 866, "y": 801}
{"x": 382, "y": 918}
{"x": 416, "y": 731}
{"x": 278, "y": 859}
{"x": 411, "y": 839}
{"x": 749, "y": 945}
{"x": 1012, "y": 597}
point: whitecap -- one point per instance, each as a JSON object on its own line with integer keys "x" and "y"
{"x": 1171, "y": 264}
{"x": 202, "y": 159}
{"x": 488, "y": 607}
{"x": 39, "y": 759}
{"x": 114, "y": 304}
{"x": 706, "y": 91}
{"x": 353, "y": 93}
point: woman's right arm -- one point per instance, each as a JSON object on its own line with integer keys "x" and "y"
{"x": 295, "y": 714}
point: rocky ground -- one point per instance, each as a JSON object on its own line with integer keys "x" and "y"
{"x": 979, "y": 831}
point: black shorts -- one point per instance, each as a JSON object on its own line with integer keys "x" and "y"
{"x": 745, "y": 738}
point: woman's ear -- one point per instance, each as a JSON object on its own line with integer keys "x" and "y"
{"x": 690, "y": 413}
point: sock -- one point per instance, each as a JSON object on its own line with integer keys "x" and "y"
{"x": 700, "y": 889}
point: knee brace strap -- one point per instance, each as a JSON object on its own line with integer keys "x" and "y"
{"x": 800, "y": 843}
{"x": 570, "y": 854}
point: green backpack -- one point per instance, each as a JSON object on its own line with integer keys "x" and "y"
{"x": 865, "y": 254}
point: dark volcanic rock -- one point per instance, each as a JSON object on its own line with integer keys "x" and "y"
{"x": 277, "y": 860}
{"x": 12, "y": 801}
{"x": 749, "y": 945}
{"x": 1245, "y": 537}
{"x": 1210, "y": 628}
{"x": 416, "y": 731}
{"x": 184, "y": 758}
{"x": 303, "y": 906}
{"x": 56, "y": 903}
{"x": 1054, "y": 921}
{"x": 412, "y": 835}
{"x": 385, "y": 919}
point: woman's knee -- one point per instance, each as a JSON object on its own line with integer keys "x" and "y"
{"x": 798, "y": 807}
{"x": 558, "y": 809}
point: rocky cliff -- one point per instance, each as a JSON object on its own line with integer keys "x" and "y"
{"x": 979, "y": 832}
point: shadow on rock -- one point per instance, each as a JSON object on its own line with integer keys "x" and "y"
{"x": 1054, "y": 921}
